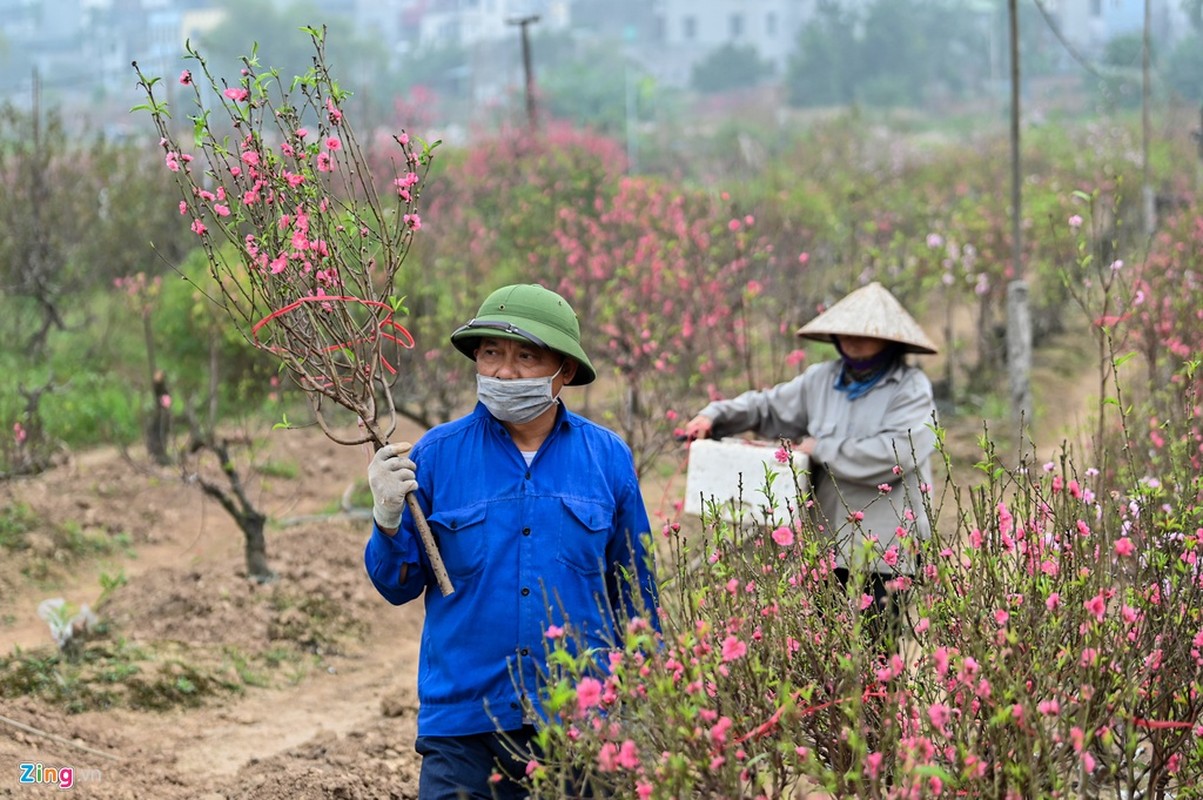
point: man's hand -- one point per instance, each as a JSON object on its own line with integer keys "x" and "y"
{"x": 698, "y": 428}
{"x": 391, "y": 477}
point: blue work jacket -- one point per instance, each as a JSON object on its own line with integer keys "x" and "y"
{"x": 525, "y": 547}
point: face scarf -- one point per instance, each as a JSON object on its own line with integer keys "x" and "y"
{"x": 859, "y": 376}
{"x": 517, "y": 400}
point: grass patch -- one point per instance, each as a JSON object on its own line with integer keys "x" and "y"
{"x": 287, "y": 470}
{"x": 361, "y": 494}
{"x": 53, "y": 548}
{"x": 101, "y": 675}
{"x": 105, "y": 674}
{"x": 16, "y": 520}
{"x": 59, "y": 543}
{"x": 314, "y": 623}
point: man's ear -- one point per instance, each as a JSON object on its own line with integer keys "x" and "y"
{"x": 568, "y": 370}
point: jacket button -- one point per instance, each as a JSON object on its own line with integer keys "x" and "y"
{"x": 525, "y": 591}
{"x": 525, "y": 652}
{"x": 526, "y": 531}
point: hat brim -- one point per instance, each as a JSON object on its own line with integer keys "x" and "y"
{"x": 467, "y": 339}
{"x": 874, "y": 313}
{"x": 909, "y": 347}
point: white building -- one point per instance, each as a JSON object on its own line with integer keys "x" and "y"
{"x": 690, "y": 30}
{"x": 468, "y": 22}
{"x": 1089, "y": 24}
{"x": 703, "y": 25}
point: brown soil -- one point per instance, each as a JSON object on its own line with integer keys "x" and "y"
{"x": 335, "y": 716}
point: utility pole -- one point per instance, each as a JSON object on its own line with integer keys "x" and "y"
{"x": 528, "y": 73}
{"x": 1019, "y": 320}
{"x": 1146, "y": 89}
{"x": 1199, "y": 142}
{"x": 630, "y": 106}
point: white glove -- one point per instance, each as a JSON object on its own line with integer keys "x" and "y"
{"x": 391, "y": 477}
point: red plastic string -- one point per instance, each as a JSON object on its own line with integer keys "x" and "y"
{"x": 400, "y": 336}
{"x": 1160, "y": 724}
{"x": 768, "y": 725}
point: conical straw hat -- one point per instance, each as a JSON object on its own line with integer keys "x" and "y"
{"x": 869, "y": 311}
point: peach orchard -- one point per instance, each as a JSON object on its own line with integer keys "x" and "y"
{"x": 1053, "y": 638}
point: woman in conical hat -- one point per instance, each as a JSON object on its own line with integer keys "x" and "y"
{"x": 866, "y": 421}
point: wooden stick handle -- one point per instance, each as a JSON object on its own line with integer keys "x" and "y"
{"x": 429, "y": 544}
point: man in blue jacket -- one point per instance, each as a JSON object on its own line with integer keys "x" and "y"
{"x": 540, "y": 521}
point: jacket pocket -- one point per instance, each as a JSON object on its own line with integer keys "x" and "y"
{"x": 461, "y": 535}
{"x": 584, "y": 534}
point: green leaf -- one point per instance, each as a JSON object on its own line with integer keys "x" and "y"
{"x": 156, "y": 108}
{"x": 561, "y": 658}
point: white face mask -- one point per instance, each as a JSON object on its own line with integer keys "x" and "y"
{"x": 517, "y": 400}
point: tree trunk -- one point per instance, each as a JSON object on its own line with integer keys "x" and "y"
{"x": 237, "y": 503}
{"x": 1019, "y": 354}
{"x": 252, "y": 524}
{"x": 158, "y": 425}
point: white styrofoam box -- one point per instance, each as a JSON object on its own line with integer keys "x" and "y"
{"x": 717, "y": 466}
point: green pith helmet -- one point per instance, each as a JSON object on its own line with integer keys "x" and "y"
{"x": 528, "y": 313}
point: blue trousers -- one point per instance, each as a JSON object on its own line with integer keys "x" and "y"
{"x": 459, "y": 767}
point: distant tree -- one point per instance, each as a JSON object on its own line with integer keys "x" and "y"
{"x": 1184, "y": 70}
{"x": 1124, "y": 51}
{"x": 1194, "y": 12}
{"x": 729, "y": 67}
{"x": 593, "y": 84}
{"x": 823, "y": 69}
{"x": 898, "y": 53}
{"x": 275, "y": 30}
{"x": 443, "y": 70}
{"x": 1120, "y": 70}
{"x": 912, "y": 48}
{"x": 41, "y": 205}
{"x": 889, "y": 52}
{"x": 132, "y": 217}
{"x": 590, "y": 90}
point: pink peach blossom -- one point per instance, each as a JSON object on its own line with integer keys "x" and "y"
{"x": 733, "y": 649}
{"x": 588, "y": 694}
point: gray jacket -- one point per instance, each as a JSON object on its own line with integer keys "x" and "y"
{"x": 860, "y": 445}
